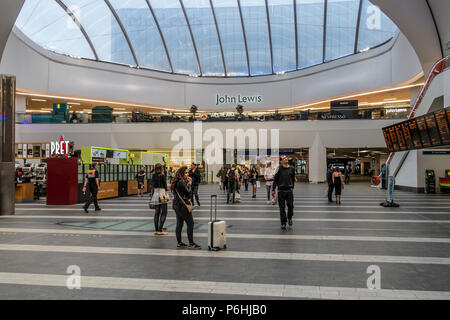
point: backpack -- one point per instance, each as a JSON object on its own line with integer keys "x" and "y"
{"x": 231, "y": 174}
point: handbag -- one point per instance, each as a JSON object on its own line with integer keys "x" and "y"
{"x": 164, "y": 198}
{"x": 190, "y": 207}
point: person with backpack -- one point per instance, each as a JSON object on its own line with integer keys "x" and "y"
{"x": 140, "y": 177}
{"x": 232, "y": 177}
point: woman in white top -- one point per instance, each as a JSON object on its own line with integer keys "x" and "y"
{"x": 269, "y": 176}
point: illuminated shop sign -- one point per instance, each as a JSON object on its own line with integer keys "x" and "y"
{"x": 223, "y": 99}
{"x": 60, "y": 148}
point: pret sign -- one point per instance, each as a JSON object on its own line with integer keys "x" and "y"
{"x": 60, "y": 148}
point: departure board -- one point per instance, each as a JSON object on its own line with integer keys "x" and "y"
{"x": 443, "y": 126}
{"x": 415, "y": 135}
{"x": 433, "y": 130}
{"x": 400, "y": 138}
{"x": 394, "y": 140}
{"x": 422, "y": 126}
{"x": 430, "y": 130}
{"x": 387, "y": 138}
{"x": 407, "y": 136}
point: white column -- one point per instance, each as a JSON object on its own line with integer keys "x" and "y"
{"x": 317, "y": 161}
{"x": 21, "y": 108}
{"x": 447, "y": 89}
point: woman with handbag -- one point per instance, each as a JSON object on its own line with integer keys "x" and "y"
{"x": 181, "y": 190}
{"x": 159, "y": 199}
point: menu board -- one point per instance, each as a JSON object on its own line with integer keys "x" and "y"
{"x": 443, "y": 126}
{"x": 433, "y": 130}
{"x": 426, "y": 131}
{"x": 120, "y": 155}
{"x": 98, "y": 154}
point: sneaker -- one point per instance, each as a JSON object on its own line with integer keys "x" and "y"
{"x": 194, "y": 246}
{"x": 86, "y": 210}
{"x": 254, "y": 196}
{"x": 181, "y": 245}
{"x": 290, "y": 222}
{"x": 98, "y": 209}
{"x": 283, "y": 227}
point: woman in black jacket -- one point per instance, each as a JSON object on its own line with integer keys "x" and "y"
{"x": 159, "y": 199}
{"x": 181, "y": 190}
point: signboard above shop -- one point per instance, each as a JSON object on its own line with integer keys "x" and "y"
{"x": 430, "y": 130}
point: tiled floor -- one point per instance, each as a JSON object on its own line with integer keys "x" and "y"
{"x": 326, "y": 255}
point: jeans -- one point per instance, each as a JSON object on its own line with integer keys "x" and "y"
{"x": 269, "y": 189}
{"x": 92, "y": 198}
{"x": 231, "y": 190}
{"x": 160, "y": 216}
{"x": 184, "y": 215}
{"x": 347, "y": 179}
{"x": 246, "y": 184}
{"x": 330, "y": 191}
{"x": 286, "y": 197}
{"x": 195, "y": 193}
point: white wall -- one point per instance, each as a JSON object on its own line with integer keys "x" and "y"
{"x": 40, "y": 70}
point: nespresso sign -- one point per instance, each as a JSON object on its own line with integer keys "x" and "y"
{"x": 224, "y": 99}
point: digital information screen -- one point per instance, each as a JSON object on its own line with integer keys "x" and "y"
{"x": 433, "y": 130}
{"x": 443, "y": 126}
{"x": 427, "y": 131}
{"x": 422, "y": 126}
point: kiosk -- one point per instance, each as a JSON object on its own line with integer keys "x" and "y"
{"x": 444, "y": 183}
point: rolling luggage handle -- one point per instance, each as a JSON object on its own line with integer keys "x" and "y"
{"x": 215, "y": 208}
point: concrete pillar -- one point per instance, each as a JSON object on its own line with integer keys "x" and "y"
{"x": 21, "y": 108}
{"x": 317, "y": 161}
{"x": 7, "y": 143}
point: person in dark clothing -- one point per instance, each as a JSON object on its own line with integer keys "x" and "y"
{"x": 232, "y": 177}
{"x": 338, "y": 182}
{"x": 330, "y": 182}
{"x": 181, "y": 190}
{"x": 347, "y": 172}
{"x": 196, "y": 177}
{"x": 224, "y": 179}
{"x": 93, "y": 178}
{"x": 285, "y": 179}
{"x": 140, "y": 177}
{"x": 254, "y": 179}
{"x": 159, "y": 197}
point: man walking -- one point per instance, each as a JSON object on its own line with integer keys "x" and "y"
{"x": 196, "y": 177}
{"x": 285, "y": 179}
{"x": 93, "y": 178}
{"x": 330, "y": 182}
{"x": 347, "y": 173}
{"x": 232, "y": 177}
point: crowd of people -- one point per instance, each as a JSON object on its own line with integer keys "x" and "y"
{"x": 184, "y": 184}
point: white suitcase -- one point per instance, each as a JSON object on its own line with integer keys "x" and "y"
{"x": 217, "y": 237}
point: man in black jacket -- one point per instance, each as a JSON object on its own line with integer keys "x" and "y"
{"x": 330, "y": 182}
{"x": 285, "y": 179}
{"x": 196, "y": 177}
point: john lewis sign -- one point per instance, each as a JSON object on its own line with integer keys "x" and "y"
{"x": 224, "y": 99}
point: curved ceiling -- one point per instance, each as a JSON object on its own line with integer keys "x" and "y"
{"x": 216, "y": 38}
